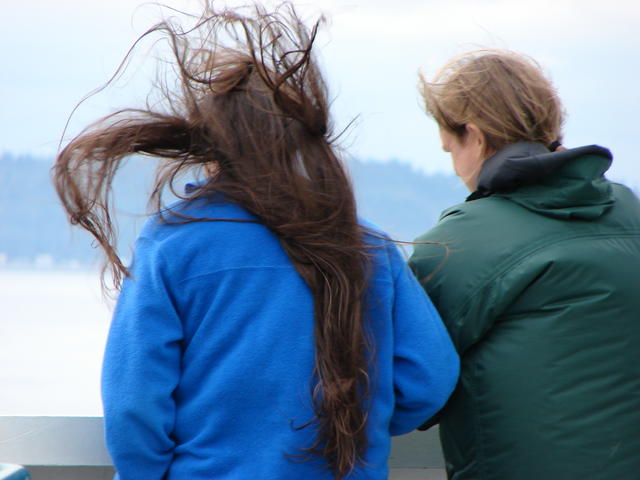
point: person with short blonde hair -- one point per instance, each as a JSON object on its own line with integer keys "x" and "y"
{"x": 536, "y": 278}
{"x": 501, "y": 93}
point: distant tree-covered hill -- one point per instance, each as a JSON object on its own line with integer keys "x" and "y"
{"x": 400, "y": 199}
{"x": 33, "y": 226}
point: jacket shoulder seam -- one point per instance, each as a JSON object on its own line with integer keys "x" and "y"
{"x": 544, "y": 244}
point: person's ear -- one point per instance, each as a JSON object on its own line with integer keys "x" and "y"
{"x": 477, "y": 140}
{"x": 474, "y": 135}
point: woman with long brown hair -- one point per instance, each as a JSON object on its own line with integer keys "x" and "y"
{"x": 262, "y": 329}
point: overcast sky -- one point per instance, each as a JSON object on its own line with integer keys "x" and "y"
{"x": 54, "y": 52}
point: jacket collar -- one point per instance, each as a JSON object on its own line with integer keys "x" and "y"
{"x": 565, "y": 184}
{"x": 526, "y": 163}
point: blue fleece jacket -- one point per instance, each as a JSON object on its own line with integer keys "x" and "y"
{"x": 208, "y": 366}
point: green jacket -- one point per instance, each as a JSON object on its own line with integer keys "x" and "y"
{"x": 537, "y": 277}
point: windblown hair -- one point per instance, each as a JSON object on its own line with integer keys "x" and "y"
{"x": 252, "y": 110}
{"x": 504, "y": 93}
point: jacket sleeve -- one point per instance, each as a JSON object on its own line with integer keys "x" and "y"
{"x": 426, "y": 365}
{"x": 141, "y": 370}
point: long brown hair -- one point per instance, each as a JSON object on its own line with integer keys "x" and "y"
{"x": 505, "y": 93}
{"x": 252, "y": 108}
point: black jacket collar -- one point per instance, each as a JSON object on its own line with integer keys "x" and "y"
{"x": 525, "y": 163}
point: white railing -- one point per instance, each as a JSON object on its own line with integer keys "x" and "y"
{"x": 72, "y": 448}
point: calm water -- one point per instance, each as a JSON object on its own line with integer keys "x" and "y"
{"x": 52, "y": 333}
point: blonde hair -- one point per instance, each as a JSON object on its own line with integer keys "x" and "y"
{"x": 504, "y": 93}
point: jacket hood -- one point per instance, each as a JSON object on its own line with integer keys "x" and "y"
{"x": 565, "y": 184}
